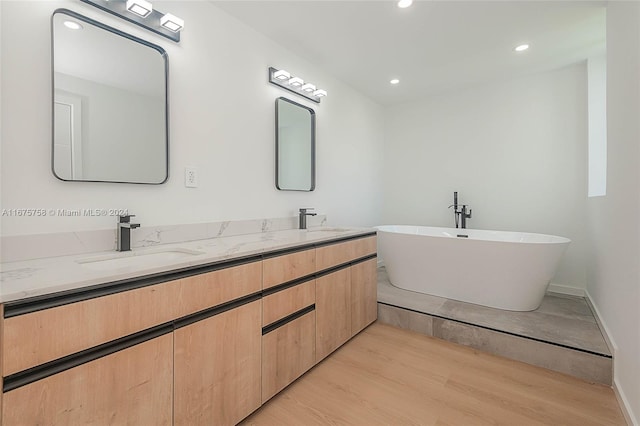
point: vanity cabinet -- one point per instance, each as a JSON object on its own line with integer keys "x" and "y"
{"x": 218, "y": 368}
{"x": 205, "y": 345}
{"x": 132, "y": 386}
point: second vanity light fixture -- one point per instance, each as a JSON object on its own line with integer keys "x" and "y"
{"x": 296, "y": 85}
{"x": 141, "y": 12}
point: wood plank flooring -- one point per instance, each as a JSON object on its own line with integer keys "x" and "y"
{"x": 390, "y": 376}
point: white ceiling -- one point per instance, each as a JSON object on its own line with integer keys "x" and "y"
{"x": 432, "y": 46}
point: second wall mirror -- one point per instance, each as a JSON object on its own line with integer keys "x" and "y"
{"x": 295, "y": 146}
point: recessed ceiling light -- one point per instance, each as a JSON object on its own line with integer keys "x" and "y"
{"x": 72, "y": 25}
{"x": 521, "y": 48}
{"x": 404, "y": 3}
{"x": 394, "y": 81}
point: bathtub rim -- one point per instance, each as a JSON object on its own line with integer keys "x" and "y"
{"x": 452, "y": 233}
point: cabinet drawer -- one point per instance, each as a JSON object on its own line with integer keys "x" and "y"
{"x": 42, "y": 336}
{"x": 287, "y": 352}
{"x": 278, "y": 305}
{"x": 278, "y": 270}
{"x": 337, "y": 254}
{"x": 214, "y": 288}
{"x": 133, "y": 386}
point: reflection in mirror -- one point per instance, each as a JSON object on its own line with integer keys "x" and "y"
{"x": 109, "y": 104}
{"x": 295, "y": 146}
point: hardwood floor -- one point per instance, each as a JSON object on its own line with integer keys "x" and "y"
{"x": 390, "y": 376}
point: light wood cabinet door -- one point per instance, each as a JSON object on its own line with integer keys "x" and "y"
{"x": 364, "y": 295}
{"x": 218, "y": 368}
{"x": 287, "y": 352}
{"x": 131, "y": 387}
{"x": 333, "y": 311}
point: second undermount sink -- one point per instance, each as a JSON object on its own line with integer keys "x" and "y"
{"x": 141, "y": 258}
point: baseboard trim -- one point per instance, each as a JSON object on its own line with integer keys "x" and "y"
{"x": 565, "y": 289}
{"x": 603, "y": 327}
{"x": 623, "y": 402}
{"x": 624, "y": 405}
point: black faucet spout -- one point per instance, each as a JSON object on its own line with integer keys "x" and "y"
{"x": 302, "y": 217}
{"x": 124, "y": 232}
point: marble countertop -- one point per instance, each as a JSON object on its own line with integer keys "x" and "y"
{"x": 38, "y": 277}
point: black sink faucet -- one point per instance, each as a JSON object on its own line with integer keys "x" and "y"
{"x": 303, "y": 217}
{"x": 460, "y": 214}
{"x": 124, "y": 232}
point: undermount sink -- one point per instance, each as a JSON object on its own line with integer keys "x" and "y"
{"x": 328, "y": 229}
{"x": 137, "y": 258}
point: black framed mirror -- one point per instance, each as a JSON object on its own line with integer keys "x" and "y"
{"x": 295, "y": 146}
{"x": 110, "y": 113}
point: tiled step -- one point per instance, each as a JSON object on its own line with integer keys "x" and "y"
{"x": 561, "y": 335}
{"x": 578, "y": 363}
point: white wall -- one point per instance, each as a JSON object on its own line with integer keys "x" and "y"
{"x": 221, "y": 121}
{"x": 613, "y": 280}
{"x": 515, "y": 151}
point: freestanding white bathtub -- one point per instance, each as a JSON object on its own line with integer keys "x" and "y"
{"x": 504, "y": 270}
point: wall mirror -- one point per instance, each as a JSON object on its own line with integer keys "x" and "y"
{"x": 109, "y": 104}
{"x": 295, "y": 146}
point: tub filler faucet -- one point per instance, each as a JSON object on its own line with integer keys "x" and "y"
{"x": 124, "y": 232}
{"x": 460, "y": 213}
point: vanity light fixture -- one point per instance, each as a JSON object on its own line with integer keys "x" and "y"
{"x": 521, "y": 48}
{"x": 172, "y": 22}
{"x": 140, "y": 7}
{"x": 296, "y": 85}
{"x": 141, "y": 12}
{"x": 308, "y": 87}
{"x": 296, "y": 81}
{"x": 282, "y": 75}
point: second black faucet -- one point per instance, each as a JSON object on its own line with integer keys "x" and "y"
{"x": 303, "y": 213}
